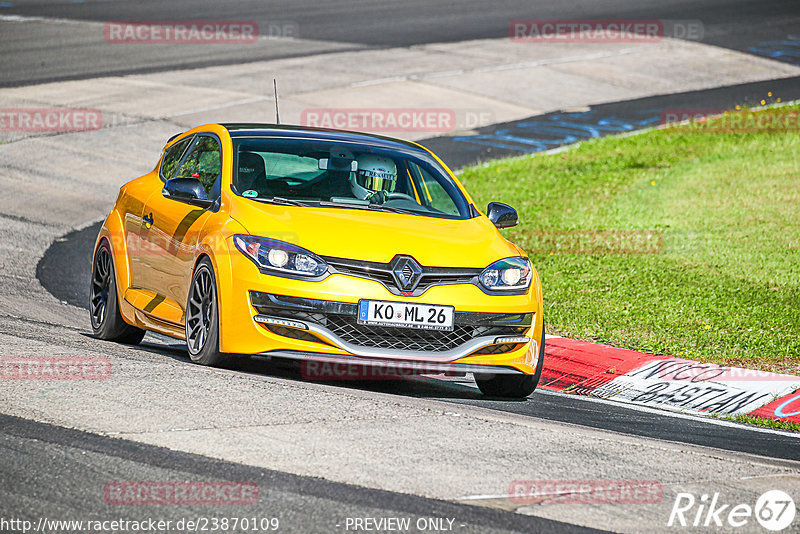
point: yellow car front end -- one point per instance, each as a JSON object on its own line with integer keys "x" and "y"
{"x": 265, "y": 313}
{"x": 318, "y": 245}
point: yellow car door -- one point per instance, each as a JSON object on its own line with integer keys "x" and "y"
{"x": 138, "y": 221}
{"x": 173, "y": 228}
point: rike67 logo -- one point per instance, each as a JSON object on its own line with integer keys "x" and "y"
{"x": 774, "y": 511}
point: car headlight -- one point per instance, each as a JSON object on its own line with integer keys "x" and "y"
{"x": 280, "y": 257}
{"x": 509, "y": 274}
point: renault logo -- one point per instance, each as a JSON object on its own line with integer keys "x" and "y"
{"x": 406, "y": 272}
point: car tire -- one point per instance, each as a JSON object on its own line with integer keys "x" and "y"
{"x": 107, "y": 322}
{"x": 202, "y": 317}
{"x": 513, "y": 386}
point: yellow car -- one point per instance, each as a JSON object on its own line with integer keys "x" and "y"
{"x": 321, "y": 246}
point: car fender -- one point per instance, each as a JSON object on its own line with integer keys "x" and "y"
{"x": 216, "y": 244}
{"x": 113, "y": 231}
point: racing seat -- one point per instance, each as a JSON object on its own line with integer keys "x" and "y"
{"x": 332, "y": 184}
{"x": 252, "y": 173}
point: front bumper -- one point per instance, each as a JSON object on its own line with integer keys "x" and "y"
{"x": 334, "y": 323}
{"x": 335, "y": 367}
{"x": 269, "y": 315}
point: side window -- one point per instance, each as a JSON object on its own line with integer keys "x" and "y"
{"x": 432, "y": 193}
{"x": 171, "y": 159}
{"x": 203, "y": 162}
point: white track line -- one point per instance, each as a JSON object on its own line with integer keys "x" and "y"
{"x": 557, "y": 493}
{"x": 647, "y": 409}
{"x": 679, "y": 415}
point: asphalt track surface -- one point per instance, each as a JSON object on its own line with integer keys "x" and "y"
{"x": 44, "y": 53}
{"x": 553, "y": 130}
{"x": 37, "y": 453}
{"x": 65, "y": 269}
{"x": 51, "y": 454}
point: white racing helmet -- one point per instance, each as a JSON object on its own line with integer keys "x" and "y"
{"x": 376, "y": 175}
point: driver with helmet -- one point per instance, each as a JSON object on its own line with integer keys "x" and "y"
{"x": 375, "y": 179}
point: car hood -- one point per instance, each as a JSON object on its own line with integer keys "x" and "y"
{"x": 377, "y": 236}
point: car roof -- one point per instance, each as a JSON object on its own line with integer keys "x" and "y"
{"x": 302, "y": 132}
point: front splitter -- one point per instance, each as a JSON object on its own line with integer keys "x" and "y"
{"x": 404, "y": 367}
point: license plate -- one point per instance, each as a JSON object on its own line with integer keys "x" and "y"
{"x": 405, "y": 315}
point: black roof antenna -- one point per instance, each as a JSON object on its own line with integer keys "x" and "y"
{"x": 275, "y": 87}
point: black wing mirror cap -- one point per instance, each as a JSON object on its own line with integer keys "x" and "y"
{"x": 502, "y": 215}
{"x": 187, "y": 190}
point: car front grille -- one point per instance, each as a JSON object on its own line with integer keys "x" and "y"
{"x": 387, "y": 337}
{"x": 382, "y": 273}
{"x": 343, "y": 324}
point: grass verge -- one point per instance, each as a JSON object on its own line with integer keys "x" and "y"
{"x": 681, "y": 241}
{"x": 760, "y": 421}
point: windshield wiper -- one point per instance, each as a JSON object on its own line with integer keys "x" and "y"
{"x": 354, "y": 205}
{"x": 282, "y": 201}
{"x": 381, "y": 207}
{"x": 375, "y": 207}
{"x": 328, "y": 204}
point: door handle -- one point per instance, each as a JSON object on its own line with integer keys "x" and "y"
{"x": 147, "y": 220}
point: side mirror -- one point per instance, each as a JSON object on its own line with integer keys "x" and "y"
{"x": 188, "y": 190}
{"x": 502, "y": 215}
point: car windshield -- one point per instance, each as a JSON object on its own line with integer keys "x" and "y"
{"x": 345, "y": 175}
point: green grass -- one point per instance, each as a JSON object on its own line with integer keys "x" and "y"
{"x": 717, "y": 280}
{"x": 761, "y": 421}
